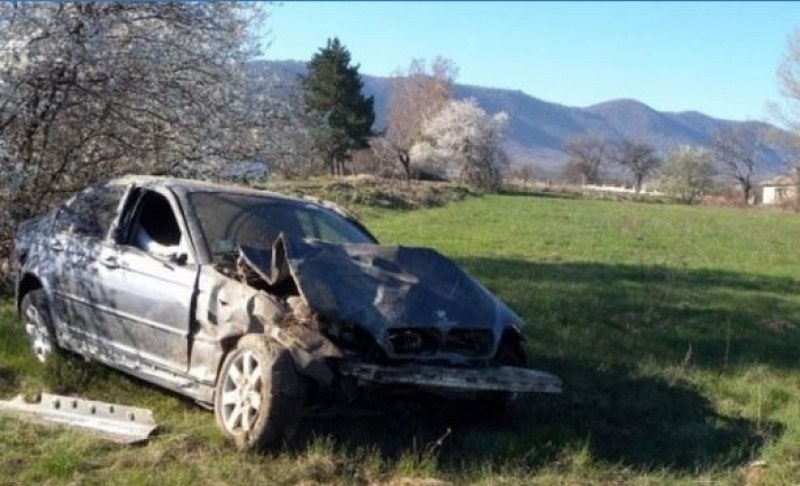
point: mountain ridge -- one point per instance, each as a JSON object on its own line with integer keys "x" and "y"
{"x": 538, "y": 128}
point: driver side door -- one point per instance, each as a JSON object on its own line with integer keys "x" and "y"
{"x": 152, "y": 291}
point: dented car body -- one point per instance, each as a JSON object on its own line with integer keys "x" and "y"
{"x": 243, "y": 300}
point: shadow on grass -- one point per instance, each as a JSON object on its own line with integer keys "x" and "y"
{"x": 8, "y": 381}
{"x": 645, "y": 423}
{"x": 598, "y": 327}
{"x": 594, "y": 325}
{"x": 624, "y": 315}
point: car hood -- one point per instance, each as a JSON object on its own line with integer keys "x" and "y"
{"x": 381, "y": 287}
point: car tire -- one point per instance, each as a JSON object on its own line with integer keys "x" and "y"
{"x": 35, "y": 313}
{"x": 259, "y": 395}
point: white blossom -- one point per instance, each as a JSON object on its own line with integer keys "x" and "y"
{"x": 463, "y": 139}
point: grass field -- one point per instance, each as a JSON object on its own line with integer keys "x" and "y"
{"x": 675, "y": 330}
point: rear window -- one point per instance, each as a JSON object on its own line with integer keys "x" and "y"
{"x": 91, "y": 212}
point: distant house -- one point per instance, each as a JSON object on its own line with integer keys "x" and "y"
{"x": 780, "y": 189}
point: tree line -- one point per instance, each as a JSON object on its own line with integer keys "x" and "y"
{"x": 686, "y": 173}
{"x": 429, "y": 134}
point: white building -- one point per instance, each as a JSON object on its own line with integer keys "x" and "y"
{"x": 781, "y": 188}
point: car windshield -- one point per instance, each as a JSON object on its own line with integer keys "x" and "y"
{"x": 228, "y": 220}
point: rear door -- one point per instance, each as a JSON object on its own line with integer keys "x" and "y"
{"x": 80, "y": 229}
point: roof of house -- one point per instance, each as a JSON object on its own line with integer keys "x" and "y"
{"x": 780, "y": 180}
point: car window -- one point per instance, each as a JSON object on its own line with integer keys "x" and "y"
{"x": 155, "y": 228}
{"x": 319, "y": 228}
{"x": 229, "y": 220}
{"x": 91, "y": 212}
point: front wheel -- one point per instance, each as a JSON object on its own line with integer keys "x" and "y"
{"x": 259, "y": 395}
{"x": 35, "y": 313}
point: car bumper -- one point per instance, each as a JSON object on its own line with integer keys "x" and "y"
{"x": 489, "y": 379}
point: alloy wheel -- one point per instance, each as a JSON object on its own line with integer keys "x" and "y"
{"x": 242, "y": 393}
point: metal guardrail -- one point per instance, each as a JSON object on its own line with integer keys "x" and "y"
{"x": 118, "y": 423}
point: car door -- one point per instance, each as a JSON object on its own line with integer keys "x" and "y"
{"x": 79, "y": 229}
{"x": 151, "y": 292}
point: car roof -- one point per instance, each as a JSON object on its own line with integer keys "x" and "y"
{"x": 185, "y": 186}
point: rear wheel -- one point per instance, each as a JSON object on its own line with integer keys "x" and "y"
{"x": 35, "y": 313}
{"x": 259, "y": 395}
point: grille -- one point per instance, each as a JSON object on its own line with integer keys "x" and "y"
{"x": 468, "y": 342}
{"x": 428, "y": 341}
{"x": 415, "y": 341}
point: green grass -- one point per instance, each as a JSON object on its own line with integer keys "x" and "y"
{"x": 676, "y": 331}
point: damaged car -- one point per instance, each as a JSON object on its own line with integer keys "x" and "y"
{"x": 255, "y": 304}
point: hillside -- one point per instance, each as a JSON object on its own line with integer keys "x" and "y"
{"x": 539, "y": 128}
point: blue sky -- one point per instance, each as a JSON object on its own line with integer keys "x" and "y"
{"x": 718, "y": 58}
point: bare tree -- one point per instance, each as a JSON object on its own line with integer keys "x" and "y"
{"x": 640, "y": 159}
{"x": 737, "y": 153}
{"x": 587, "y": 156}
{"x": 418, "y": 94}
{"x": 91, "y": 90}
{"x": 523, "y": 174}
{"x": 789, "y": 113}
{"x": 283, "y": 129}
{"x": 789, "y": 79}
{"x": 386, "y": 158}
{"x": 787, "y": 145}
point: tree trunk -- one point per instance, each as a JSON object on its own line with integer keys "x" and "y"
{"x": 330, "y": 162}
{"x": 637, "y": 183}
{"x": 405, "y": 161}
{"x": 337, "y": 167}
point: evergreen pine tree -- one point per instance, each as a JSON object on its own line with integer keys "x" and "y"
{"x": 333, "y": 92}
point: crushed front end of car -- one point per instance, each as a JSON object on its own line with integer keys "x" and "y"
{"x": 400, "y": 317}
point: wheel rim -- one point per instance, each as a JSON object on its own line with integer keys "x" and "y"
{"x": 38, "y": 334}
{"x": 242, "y": 393}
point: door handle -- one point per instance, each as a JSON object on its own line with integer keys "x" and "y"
{"x": 56, "y": 245}
{"x": 110, "y": 262}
